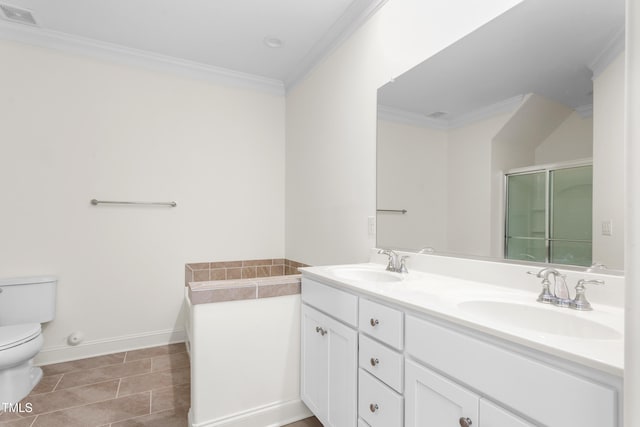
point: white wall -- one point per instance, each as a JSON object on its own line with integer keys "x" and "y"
{"x": 411, "y": 175}
{"x": 331, "y": 123}
{"x": 608, "y": 163}
{"x": 572, "y": 140}
{"x": 74, "y": 129}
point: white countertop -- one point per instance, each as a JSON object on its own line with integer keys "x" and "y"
{"x": 445, "y": 297}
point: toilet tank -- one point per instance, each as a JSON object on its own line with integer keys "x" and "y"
{"x": 27, "y": 300}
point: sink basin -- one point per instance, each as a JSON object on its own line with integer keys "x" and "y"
{"x": 543, "y": 319}
{"x": 364, "y": 274}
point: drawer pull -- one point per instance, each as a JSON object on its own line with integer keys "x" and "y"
{"x": 374, "y": 322}
{"x": 374, "y": 361}
{"x": 374, "y": 407}
{"x": 465, "y": 422}
{"x": 321, "y": 331}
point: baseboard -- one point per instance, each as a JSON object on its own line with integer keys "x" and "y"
{"x": 273, "y": 415}
{"x": 101, "y": 347}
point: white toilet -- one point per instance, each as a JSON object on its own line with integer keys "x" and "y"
{"x": 25, "y": 303}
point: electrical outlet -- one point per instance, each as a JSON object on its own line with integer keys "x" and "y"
{"x": 371, "y": 225}
{"x": 607, "y": 228}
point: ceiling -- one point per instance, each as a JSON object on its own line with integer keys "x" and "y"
{"x": 548, "y": 47}
{"x": 225, "y": 34}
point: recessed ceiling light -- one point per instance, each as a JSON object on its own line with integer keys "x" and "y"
{"x": 16, "y": 14}
{"x": 273, "y": 42}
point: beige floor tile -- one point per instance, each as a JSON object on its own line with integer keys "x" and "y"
{"x": 92, "y": 376}
{"x": 62, "y": 399}
{"x": 153, "y": 381}
{"x": 171, "y": 398}
{"x": 307, "y": 422}
{"x": 146, "y": 353}
{"x": 170, "y": 361}
{"x": 46, "y": 384}
{"x": 100, "y": 413}
{"x": 19, "y": 422}
{"x": 89, "y": 363}
{"x": 171, "y": 418}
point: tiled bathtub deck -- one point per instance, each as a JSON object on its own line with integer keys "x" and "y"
{"x": 148, "y": 387}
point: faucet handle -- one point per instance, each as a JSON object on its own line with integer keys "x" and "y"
{"x": 580, "y": 301}
{"x": 403, "y": 264}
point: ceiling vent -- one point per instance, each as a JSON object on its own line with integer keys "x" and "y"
{"x": 16, "y": 14}
{"x": 437, "y": 114}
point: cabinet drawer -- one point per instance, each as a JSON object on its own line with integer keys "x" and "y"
{"x": 381, "y": 322}
{"x": 382, "y": 362}
{"x": 537, "y": 390}
{"x": 378, "y": 405}
{"x": 341, "y": 305}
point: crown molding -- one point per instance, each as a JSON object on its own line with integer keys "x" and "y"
{"x": 451, "y": 121}
{"x": 615, "y": 46}
{"x": 136, "y": 57}
{"x": 585, "y": 111}
{"x": 358, "y": 12}
{"x": 410, "y": 118}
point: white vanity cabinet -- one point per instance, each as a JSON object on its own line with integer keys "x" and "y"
{"x": 370, "y": 362}
{"x": 329, "y": 353}
{"x": 432, "y": 400}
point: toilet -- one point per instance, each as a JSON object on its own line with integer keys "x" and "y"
{"x": 25, "y": 303}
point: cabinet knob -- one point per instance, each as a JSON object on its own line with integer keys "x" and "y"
{"x": 321, "y": 331}
{"x": 374, "y": 322}
{"x": 374, "y": 361}
{"x": 373, "y": 407}
{"x": 465, "y": 422}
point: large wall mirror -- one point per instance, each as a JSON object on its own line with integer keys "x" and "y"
{"x": 539, "y": 88}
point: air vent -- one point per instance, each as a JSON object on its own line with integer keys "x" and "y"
{"x": 16, "y": 14}
{"x": 437, "y": 114}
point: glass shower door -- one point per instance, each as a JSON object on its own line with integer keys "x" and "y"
{"x": 571, "y": 215}
{"x": 526, "y": 235}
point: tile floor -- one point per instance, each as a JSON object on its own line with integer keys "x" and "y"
{"x": 148, "y": 387}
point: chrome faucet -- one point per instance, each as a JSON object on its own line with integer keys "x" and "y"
{"x": 560, "y": 295}
{"x": 580, "y": 301}
{"x": 396, "y": 262}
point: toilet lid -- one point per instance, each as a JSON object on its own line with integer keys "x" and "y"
{"x": 11, "y": 336}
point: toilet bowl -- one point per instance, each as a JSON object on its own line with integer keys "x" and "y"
{"x": 19, "y": 344}
{"x": 25, "y": 303}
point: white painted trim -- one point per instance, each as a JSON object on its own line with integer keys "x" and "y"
{"x": 135, "y": 57}
{"x": 352, "y": 19}
{"x": 407, "y": 117}
{"x": 65, "y": 353}
{"x": 271, "y": 415}
{"x": 614, "y": 48}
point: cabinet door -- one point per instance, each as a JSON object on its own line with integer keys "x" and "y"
{"x": 329, "y": 369}
{"x": 342, "y": 376}
{"x": 314, "y": 362}
{"x": 495, "y": 416}
{"x": 433, "y": 401}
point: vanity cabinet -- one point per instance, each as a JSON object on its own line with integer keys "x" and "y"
{"x": 368, "y": 362}
{"x": 432, "y": 399}
{"x": 329, "y": 349}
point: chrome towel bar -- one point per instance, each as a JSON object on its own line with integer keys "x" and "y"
{"x": 109, "y": 202}
{"x": 402, "y": 211}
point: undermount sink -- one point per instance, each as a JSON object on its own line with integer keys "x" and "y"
{"x": 364, "y": 274}
{"x": 543, "y": 319}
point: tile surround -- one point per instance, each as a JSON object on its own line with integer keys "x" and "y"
{"x": 234, "y": 270}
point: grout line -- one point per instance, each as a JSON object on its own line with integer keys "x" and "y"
{"x": 34, "y": 421}
{"x": 118, "y": 389}
{"x": 57, "y": 383}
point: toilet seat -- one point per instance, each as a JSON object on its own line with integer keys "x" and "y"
{"x": 14, "y": 335}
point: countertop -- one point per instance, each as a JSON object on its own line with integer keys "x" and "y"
{"x": 449, "y": 298}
